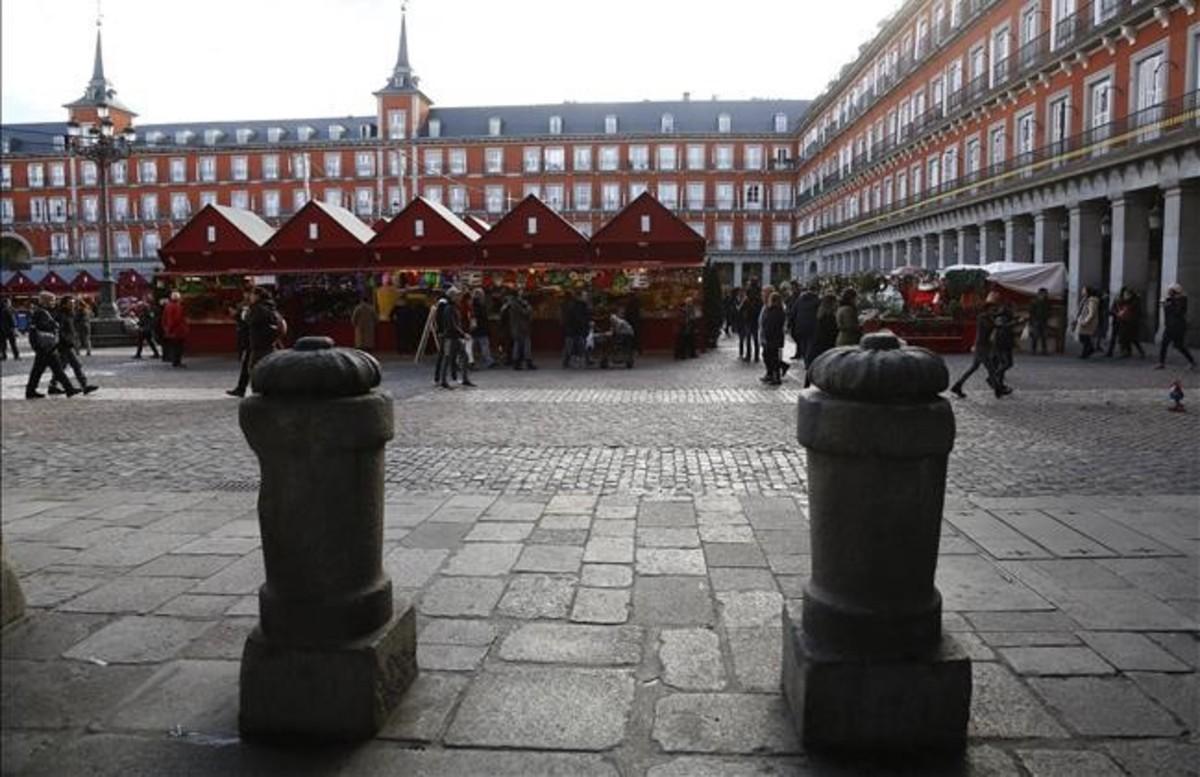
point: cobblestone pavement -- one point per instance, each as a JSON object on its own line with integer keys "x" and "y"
{"x": 599, "y": 561}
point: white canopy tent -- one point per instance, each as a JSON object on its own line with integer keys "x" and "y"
{"x": 1022, "y": 277}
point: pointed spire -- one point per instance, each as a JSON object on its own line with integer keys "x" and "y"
{"x": 98, "y": 79}
{"x": 99, "y": 92}
{"x": 402, "y": 73}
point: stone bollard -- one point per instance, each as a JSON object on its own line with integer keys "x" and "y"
{"x": 867, "y": 669}
{"x": 329, "y": 659}
{"x": 12, "y": 601}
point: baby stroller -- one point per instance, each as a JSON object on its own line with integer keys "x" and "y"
{"x": 616, "y": 345}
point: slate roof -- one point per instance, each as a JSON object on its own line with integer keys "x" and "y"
{"x": 691, "y": 117}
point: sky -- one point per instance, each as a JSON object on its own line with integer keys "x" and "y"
{"x": 232, "y": 60}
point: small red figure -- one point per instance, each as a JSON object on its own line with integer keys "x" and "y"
{"x": 1176, "y": 396}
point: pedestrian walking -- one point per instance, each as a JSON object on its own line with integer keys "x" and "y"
{"x": 364, "y": 317}
{"x": 265, "y": 328}
{"x": 751, "y": 308}
{"x": 480, "y": 337}
{"x": 83, "y": 324}
{"x": 64, "y": 316}
{"x": 985, "y": 324}
{"x": 451, "y": 357}
{"x": 1039, "y": 321}
{"x": 43, "y": 339}
{"x": 575, "y": 329}
{"x": 1003, "y": 341}
{"x": 1087, "y": 320}
{"x": 175, "y": 329}
{"x": 685, "y": 340}
{"x": 729, "y": 311}
{"x": 803, "y": 320}
{"x": 1126, "y": 324}
{"x": 1174, "y": 326}
{"x": 1102, "y": 320}
{"x": 774, "y": 319}
{"x": 824, "y": 335}
{"x": 147, "y": 318}
{"x": 849, "y": 332}
{"x": 8, "y": 330}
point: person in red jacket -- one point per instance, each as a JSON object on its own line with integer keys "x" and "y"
{"x": 175, "y": 329}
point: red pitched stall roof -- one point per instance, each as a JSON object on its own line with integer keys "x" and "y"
{"x": 54, "y": 282}
{"x": 477, "y": 224}
{"x": 131, "y": 282}
{"x": 532, "y": 234}
{"x": 647, "y": 234}
{"x": 20, "y": 284}
{"x": 378, "y": 226}
{"x": 319, "y": 238}
{"x": 426, "y": 235}
{"x": 85, "y": 282}
{"x": 217, "y": 240}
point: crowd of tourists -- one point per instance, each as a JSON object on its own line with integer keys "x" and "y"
{"x": 1119, "y": 324}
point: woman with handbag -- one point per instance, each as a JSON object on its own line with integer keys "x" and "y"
{"x": 43, "y": 339}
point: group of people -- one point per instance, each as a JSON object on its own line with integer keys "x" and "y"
{"x": 1120, "y": 324}
{"x": 762, "y": 317}
{"x": 162, "y": 323}
{"x": 57, "y": 330}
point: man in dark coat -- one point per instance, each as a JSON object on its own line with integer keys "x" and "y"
{"x": 985, "y": 325}
{"x": 803, "y": 320}
{"x": 751, "y": 308}
{"x": 263, "y": 330}
{"x": 773, "y": 324}
{"x": 43, "y": 339}
{"x": 68, "y": 342}
{"x": 451, "y": 356}
{"x": 8, "y": 330}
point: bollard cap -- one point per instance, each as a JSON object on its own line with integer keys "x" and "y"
{"x": 881, "y": 368}
{"x": 315, "y": 368}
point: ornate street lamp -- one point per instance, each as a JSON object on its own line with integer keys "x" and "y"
{"x": 103, "y": 147}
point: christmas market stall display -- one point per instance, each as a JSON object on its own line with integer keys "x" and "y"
{"x": 85, "y": 284}
{"x": 1017, "y": 283}
{"x": 645, "y": 251}
{"x": 419, "y": 248}
{"x": 20, "y": 288}
{"x": 208, "y": 261}
{"x": 913, "y": 303}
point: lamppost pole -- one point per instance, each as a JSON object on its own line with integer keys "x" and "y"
{"x": 99, "y": 146}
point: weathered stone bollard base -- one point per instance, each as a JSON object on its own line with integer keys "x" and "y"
{"x": 883, "y": 705}
{"x": 339, "y": 692}
{"x": 12, "y": 601}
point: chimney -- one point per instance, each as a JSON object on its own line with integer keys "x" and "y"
{"x": 687, "y": 97}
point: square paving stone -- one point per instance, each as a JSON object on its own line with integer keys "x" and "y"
{"x": 406, "y": 515}
{"x": 658, "y": 537}
{"x": 46, "y": 635}
{"x": 708, "y": 518}
{"x": 572, "y": 643}
{"x": 1185, "y": 647}
{"x": 499, "y": 531}
{"x": 425, "y": 707}
{"x": 606, "y": 576}
{"x": 18, "y": 749}
{"x": 549, "y": 558}
{"x": 1105, "y": 706}
{"x": 609, "y": 550}
{"x": 613, "y": 528}
{"x": 514, "y": 509}
{"x": 412, "y": 567}
{"x": 544, "y": 708}
{"x": 569, "y": 522}
{"x": 537, "y": 596}
{"x": 218, "y": 546}
{"x": 741, "y": 579}
{"x": 757, "y": 657}
{"x": 138, "y": 640}
{"x": 1002, "y": 708}
{"x": 670, "y": 561}
{"x": 558, "y": 537}
{"x": 726, "y": 534}
{"x": 601, "y": 605}
{"x": 1130, "y": 651}
{"x": 29, "y": 557}
{"x": 971, "y": 583}
{"x": 462, "y": 596}
{"x": 1178, "y": 693}
{"x": 381, "y": 758}
{"x": 47, "y": 589}
{"x": 672, "y": 601}
{"x": 198, "y": 606}
{"x": 1064, "y": 660}
{"x": 784, "y": 543}
{"x": 724, "y": 723}
{"x": 436, "y": 535}
{"x": 1068, "y": 763}
{"x": 1155, "y": 757}
{"x": 750, "y": 609}
{"x": 184, "y": 566}
{"x": 691, "y": 659}
{"x": 448, "y": 631}
{"x": 1028, "y": 638}
{"x": 725, "y": 554}
{"x": 130, "y": 594}
{"x": 1129, "y": 610}
{"x": 710, "y": 766}
{"x": 666, "y": 514}
{"x": 63, "y": 694}
{"x": 1021, "y": 621}
{"x": 243, "y": 576}
{"x": 224, "y": 639}
{"x": 449, "y": 658}
{"x": 572, "y": 503}
{"x": 483, "y": 559}
{"x": 197, "y": 695}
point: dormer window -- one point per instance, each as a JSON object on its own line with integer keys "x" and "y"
{"x": 366, "y": 131}
{"x": 210, "y": 233}
{"x": 531, "y": 225}
{"x": 60, "y": 143}
{"x": 274, "y": 134}
{"x": 313, "y": 230}
{"x": 781, "y": 122}
{"x": 419, "y": 228}
{"x": 668, "y": 123}
{"x": 610, "y": 124}
{"x": 724, "y": 122}
{"x": 645, "y": 222}
{"x": 556, "y": 125}
{"x": 494, "y": 126}
{"x": 183, "y": 137}
{"x": 212, "y": 136}
{"x": 435, "y": 128}
{"x": 305, "y": 133}
{"x": 244, "y": 134}
{"x": 154, "y": 137}
{"x": 336, "y": 131}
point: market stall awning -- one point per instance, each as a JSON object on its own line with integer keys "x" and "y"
{"x": 319, "y": 238}
{"x": 426, "y": 235}
{"x": 217, "y": 240}
{"x": 19, "y": 283}
{"x": 1022, "y": 277}
{"x": 131, "y": 282}
{"x": 532, "y": 234}
{"x": 84, "y": 282}
{"x": 54, "y": 282}
{"x": 646, "y": 234}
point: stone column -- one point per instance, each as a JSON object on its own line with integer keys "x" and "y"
{"x": 737, "y": 274}
{"x": 916, "y": 252}
{"x": 968, "y": 245}
{"x": 990, "y": 249}
{"x": 330, "y": 658}
{"x": 1016, "y": 240}
{"x": 1084, "y": 266}
{"x": 900, "y": 254}
{"x": 1131, "y": 250}
{"x": 948, "y": 254}
{"x": 931, "y": 251}
{"x": 886, "y": 258}
{"x": 868, "y": 668}
{"x": 1181, "y": 249}
{"x": 1047, "y": 240}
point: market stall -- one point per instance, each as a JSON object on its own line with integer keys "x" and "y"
{"x": 85, "y": 284}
